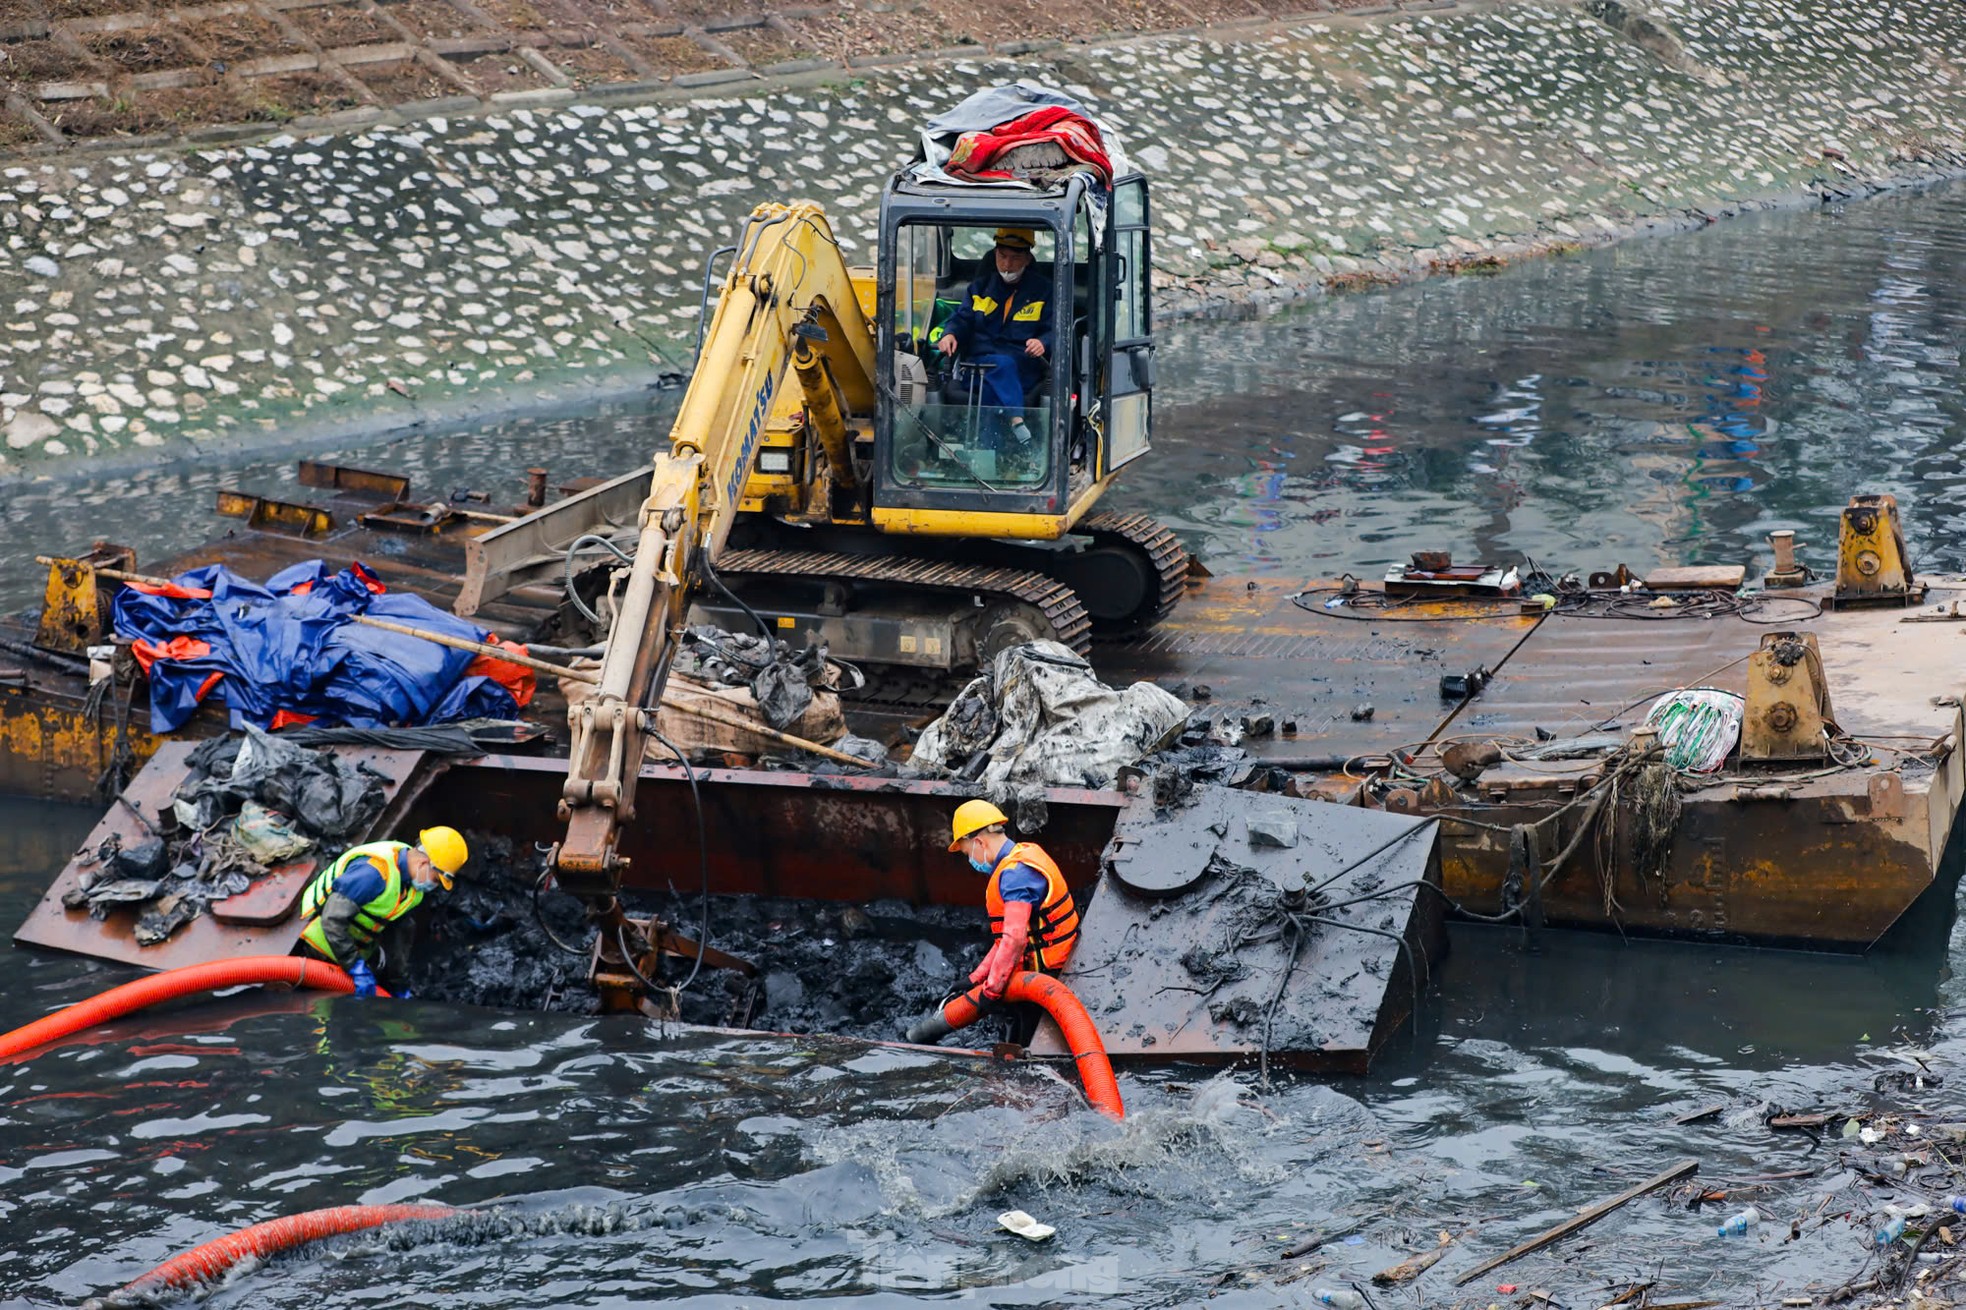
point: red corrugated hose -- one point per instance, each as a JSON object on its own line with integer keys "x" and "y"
{"x": 1095, "y": 1069}
{"x": 119, "y": 1001}
{"x": 203, "y": 1264}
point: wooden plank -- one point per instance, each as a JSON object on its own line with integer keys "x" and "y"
{"x": 1415, "y": 1265}
{"x": 1698, "y": 577}
{"x": 1584, "y": 1220}
{"x": 1704, "y": 1112}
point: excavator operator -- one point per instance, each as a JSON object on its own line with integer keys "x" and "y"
{"x": 1031, "y": 911}
{"x": 1006, "y": 326}
{"x": 358, "y": 908}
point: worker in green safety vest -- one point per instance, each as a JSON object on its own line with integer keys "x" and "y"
{"x": 358, "y": 908}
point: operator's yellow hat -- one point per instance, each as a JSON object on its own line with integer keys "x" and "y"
{"x": 1017, "y": 238}
{"x": 971, "y": 818}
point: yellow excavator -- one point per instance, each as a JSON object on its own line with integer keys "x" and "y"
{"x": 832, "y": 474}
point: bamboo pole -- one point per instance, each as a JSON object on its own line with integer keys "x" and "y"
{"x": 526, "y": 661}
{"x": 1588, "y": 1217}
{"x": 481, "y": 648}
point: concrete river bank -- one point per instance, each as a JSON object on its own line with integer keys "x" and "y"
{"x": 421, "y": 270}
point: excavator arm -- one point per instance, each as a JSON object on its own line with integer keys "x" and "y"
{"x": 787, "y": 306}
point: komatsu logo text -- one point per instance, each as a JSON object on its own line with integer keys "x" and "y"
{"x": 760, "y": 408}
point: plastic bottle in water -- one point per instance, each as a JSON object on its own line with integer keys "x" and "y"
{"x": 1956, "y": 1204}
{"x": 1343, "y": 1298}
{"x": 1891, "y": 1232}
{"x": 1739, "y": 1224}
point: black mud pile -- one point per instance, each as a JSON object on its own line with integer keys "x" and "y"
{"x": 823, "y": 966}
{"x": 826, "y": 967}
{"x": 483, "y": 944}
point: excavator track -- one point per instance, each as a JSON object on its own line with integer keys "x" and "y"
{"x": 1058, "y": 603}
{"x": 1158, "y": 548}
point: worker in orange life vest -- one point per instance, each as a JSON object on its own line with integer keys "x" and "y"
{"x": 1031, "y": 911}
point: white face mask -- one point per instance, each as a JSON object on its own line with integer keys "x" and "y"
{"x": 1011, "y": 279}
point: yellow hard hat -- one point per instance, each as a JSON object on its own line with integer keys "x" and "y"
{"x": 446, "y": 849}
{"x": 973, "y": 817}
{"x": 1017, "y": 238}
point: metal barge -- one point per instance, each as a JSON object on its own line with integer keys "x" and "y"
{"x": 1497, "y": 729}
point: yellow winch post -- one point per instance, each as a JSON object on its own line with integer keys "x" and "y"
{"x": 75, "y": 607}
{"x": 1788, "y": 710}
{"x": 1872, "y": 565}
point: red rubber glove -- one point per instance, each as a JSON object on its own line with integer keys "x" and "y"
{"x": 1007, "y": 956}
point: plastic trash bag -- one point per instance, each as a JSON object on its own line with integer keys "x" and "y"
{"x": 1039, "y": 718}
{"x": 266, "y": 837}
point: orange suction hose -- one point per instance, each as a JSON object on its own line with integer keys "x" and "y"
{"x": 119, "y": 1001}
{"x": 1095, "y": 1069}
{"x": 202, "y": 1264}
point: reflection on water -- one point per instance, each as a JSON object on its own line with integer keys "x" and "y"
{"x": 1665, "y": 400}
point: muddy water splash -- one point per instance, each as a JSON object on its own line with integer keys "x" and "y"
{"x": 746, "y": 1169}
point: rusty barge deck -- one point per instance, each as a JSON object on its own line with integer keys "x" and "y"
{"x": 1824, "y": 853}
{"x": 1805, "y": 853}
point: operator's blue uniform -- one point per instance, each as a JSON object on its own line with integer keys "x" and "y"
{"x": 994, "y": 323}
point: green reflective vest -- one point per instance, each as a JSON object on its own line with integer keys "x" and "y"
{"x": 398, "y": 897}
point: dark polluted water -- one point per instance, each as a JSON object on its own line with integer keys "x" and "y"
{"x": 1667, "y": 400}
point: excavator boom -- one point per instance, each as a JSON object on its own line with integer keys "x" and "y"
{"x": 787, "y": 306}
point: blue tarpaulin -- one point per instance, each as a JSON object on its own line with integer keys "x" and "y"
{"x": 286, "y": 651}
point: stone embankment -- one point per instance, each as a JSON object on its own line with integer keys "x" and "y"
{"x": 172, "y": 301}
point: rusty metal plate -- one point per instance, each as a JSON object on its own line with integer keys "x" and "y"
{"x": 266, "y": 514}
{"x": 403, "y": 516}
{"x": 74, "y": 608}
{"x": 1887, "y": 676}
{"x": 1244, "y": 639}
{"x": 1830, "y": 863}
{"x": 53, "y": 925}
{"x": 1574, "y": 674}
{"x": 270, "y": 899}
{"x": 823, "y": 837}
{"x": 1346, "y": 992}
{"x": 52, "y": 747}
{"x": 353, "y": 482}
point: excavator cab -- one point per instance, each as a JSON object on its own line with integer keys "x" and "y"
{"x": 992, "y": 442}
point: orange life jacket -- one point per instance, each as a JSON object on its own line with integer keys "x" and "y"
{"x": 1054, "y": 924}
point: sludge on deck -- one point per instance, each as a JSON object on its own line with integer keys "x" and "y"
{"x": 1313, "y": 953}
{"x": 260, "y": 921}
{"x": 1806, "y": 853}
{"x": 1321, "y": 994}
{"x": 1337, "y": 995}
{"x": 1827, "y": 856}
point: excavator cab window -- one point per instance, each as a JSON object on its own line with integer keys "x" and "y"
{"x": 976, "y": 399}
